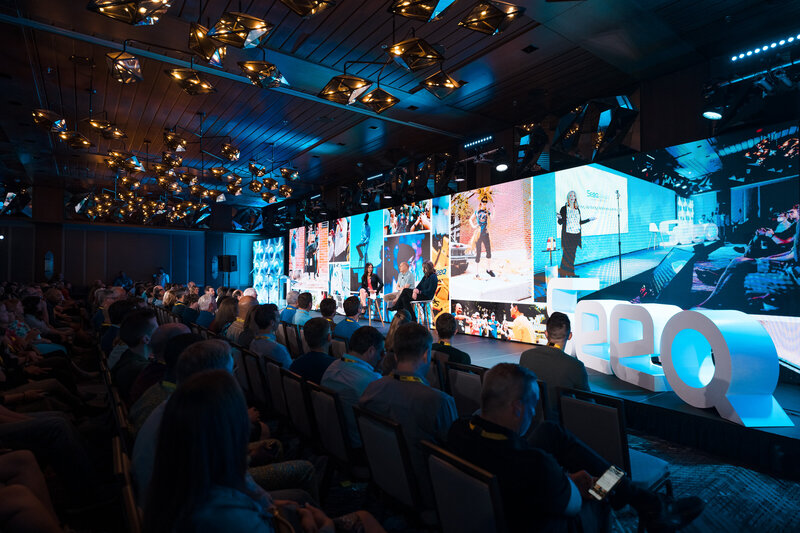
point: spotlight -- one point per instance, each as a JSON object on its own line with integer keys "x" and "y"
{"x": 345, "y": 89}
{"x": 415, "y": 54}
{"x": 75, "y": 140}
{"x": 441, "y": 84}
{"x": 255, "y": 186}
{"x": 424, "y": 10}
{"x": 124, "y": 67}
{"x": 204, "y": 46}
{"x": 379, "y": 100}
{"x": 174, "y": 141}
{"x": 240, "y": 30}
{"x": 500, "y": 160}
{"x": 714, "y": 103}
{"x": 261, "y": 74}
{"x": 134, "y": 12}
{"x": 49, "y": 120}
{"x": 190, "y": 81}
{"x": 306, "y": 8}
{"x": 230, "y": 152}
{"x": 491, "y": 17}
{"x": 256, "y": 170}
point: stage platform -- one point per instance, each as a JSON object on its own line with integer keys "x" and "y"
{"x": 662, "y": 414}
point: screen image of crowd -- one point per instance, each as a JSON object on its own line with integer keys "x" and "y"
{"x": 505, "y": 321}
{"x": 308, "y": 257}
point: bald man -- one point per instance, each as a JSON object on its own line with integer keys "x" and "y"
{"x": 234, "y": 330}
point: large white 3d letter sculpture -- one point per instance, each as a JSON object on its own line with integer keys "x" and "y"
{"x": 562, "y": 296}
{"x": 590, "y": 331}
{"x": 740, "y": 379}
{"x": 635, "y": 336}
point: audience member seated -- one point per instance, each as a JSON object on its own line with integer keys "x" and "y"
{"x": 122, "y": 280}
{"x": 327, "y": 308}
{"x": 350, "y": 375}
{"x": 312, "y": 365}
{"x": 551, "y": 364}
{"x": 158, "y": 392}
{"x": 345, "y": 328}
{"x": 190, "y": 312}
{"x": 21, "y": 329}
{"x": 390, "y": 361}
{"x": 116, "y": 312}
{"x": 25, "y": 504}
{"x": 200, "y": 480}
{"x": 103, "y": 299}
{"x": 287, "y": 314}
{"x": 266, "y": 319}
{"x": 303, "y": 312}
{"x": 136, "y": 331}
{"x": 424, "y": 413}
{"x": 200, "y": 357}
{"x": 224, "y": 317}
{"x": 206, "y": 306}
{"x": 237, "y": 327}
{"x": 180, "y": 303}
{"x": 446, "y": 330}
{"x": 156, "y": 368}
{"x": 544, "y": 480}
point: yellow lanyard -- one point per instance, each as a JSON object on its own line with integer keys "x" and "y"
{"x": 408, "y": 378}
{"x": 444, "y": 343}
{"x": 350, "y": 320}
{"x": 348, "y": 360}
{"x": 487, "y": 434}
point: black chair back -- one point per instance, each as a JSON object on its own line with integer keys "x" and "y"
{"x": 297, "y": 404}
{"x": 331, "y": 425}
{"x": 465, "y": 386}
{"x": 276, "y": 394}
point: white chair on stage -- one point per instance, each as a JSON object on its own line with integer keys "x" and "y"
{"x": 655, "y": 236}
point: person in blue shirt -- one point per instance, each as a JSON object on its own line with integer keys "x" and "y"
{"x": 480, "y": 221}
{"x": 425, "y": 290}
{"x": 363, "y": 246}
{"x": 350, "y": 375}
{"x": 345, "y": 328}
{"x": 493, "y": 325}
{"x": 312, "y": 364}
{"x": 287, "y": 314}
{"x": 303, "y": 312}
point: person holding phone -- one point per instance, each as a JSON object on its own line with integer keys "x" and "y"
{"x": 547, "y": 476}
{"x": 569, "y": 218}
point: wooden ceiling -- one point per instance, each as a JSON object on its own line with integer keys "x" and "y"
{"x": 581, "y": 49}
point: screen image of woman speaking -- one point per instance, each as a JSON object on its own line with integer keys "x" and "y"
{"x": 569, "y": 217}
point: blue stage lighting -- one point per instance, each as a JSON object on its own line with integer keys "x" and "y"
{"x": 765, "y": 47}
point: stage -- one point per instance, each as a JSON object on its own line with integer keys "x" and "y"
{"x": 662, "y": 414}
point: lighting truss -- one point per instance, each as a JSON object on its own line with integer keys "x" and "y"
{"x": 780, "y": 43}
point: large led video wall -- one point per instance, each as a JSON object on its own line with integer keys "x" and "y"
{"x": 711, "y": 224}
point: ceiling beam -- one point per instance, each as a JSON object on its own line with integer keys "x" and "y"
{"x": 28, "y": 23}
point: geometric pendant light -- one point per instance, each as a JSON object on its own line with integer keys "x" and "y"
{"x": 240, "y": 30}
{"x": 491, "y": 17}
{"x": 415, "y": 54}
{"x": 134, "y": 12}
{"x": 424, "y": 10}
{"x": 306, "y": 8}
{"x": 379, "y": 100}
{"x": 440, "y": 84}
{"x": 49, "y": 120}
{"x": 345, "y": 89}
{"x": 124, "y": 67}
{"x": 190, "y": 81}
{"x": 204, "y": 46}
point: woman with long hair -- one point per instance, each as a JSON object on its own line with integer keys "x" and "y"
{"x": 363, "y": 245}
{"x": 200, "y": 480}
{"x": 371, "y": 285}
{"x": 424, "y": 291}
{"x": 225, "y": 315}
{"x": 569, "y": 217}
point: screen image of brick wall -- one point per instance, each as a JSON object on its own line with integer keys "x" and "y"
{"x": 490, "y": 250}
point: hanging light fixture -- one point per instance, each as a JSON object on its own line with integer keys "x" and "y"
{"x": 190, "y": 81}
{"x": 240, "y": 30}
{"x": 268, "y": 197}
{"x": 171, "y": 160}
{"x": 174, "y": 141}
{"x": 255, "y": 185}
{"x": 114, "y": 132}
{"x": 230, "y": 152}
{"x": 218, "y": 172}
{"x": 345, "y": 89}
{"x": 440, "y": 84}
{"x": 285, "y": 191}
{"x": 234, "y": 189}
{"x": 270, "y": 184}
{"x": 75, "y": 140}
{"x": 379, "y": 100}
{"x": 261, "y": 73}
{"x": 289, "y": 173}
{"x": 415, "y": 54}
{"x": 134, "y": 12}
{"x": 306, "y": 8}
{"x": 424, "y": 10}
{"x": 205, "y": 47}
{"x": 256, "y": 170}
{"x": 49, "y": 120}
{"x": 491, "y": 17}
{"x": 124, "y": 67}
